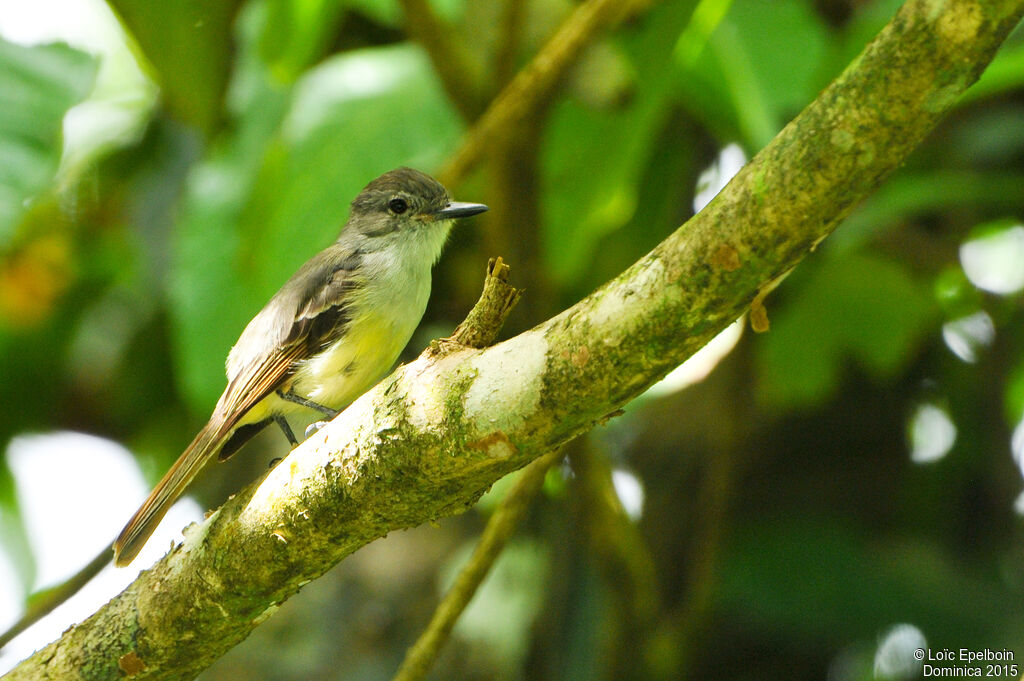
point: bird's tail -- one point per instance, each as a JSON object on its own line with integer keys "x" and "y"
{"x": 141, "y": 526}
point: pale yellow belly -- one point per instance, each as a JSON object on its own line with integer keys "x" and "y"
{"x": 340, "y": 374}
{"x": 384, "y": 318}
{"x": 350, "y": 367}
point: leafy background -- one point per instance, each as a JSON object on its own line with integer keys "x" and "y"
{"x": 834, "y": 493}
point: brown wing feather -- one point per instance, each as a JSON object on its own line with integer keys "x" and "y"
{"x": 323, "y": 316}
{"x": 317, "y": 310}
{"x": 255, "y": 382}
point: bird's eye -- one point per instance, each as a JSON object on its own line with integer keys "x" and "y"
{"x": 398, "y": 206}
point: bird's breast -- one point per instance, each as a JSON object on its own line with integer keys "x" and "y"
{"x": 383, "y": 316}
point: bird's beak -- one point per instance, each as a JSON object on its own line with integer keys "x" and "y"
{"x": 457, "y": 209}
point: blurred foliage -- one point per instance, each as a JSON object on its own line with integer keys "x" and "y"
{"x": 186, "y": 46}
{"x": 37, "y": 86}
{"x": 785, "y": 530}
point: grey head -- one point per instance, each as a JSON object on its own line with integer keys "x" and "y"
{"x": 403, "y": 199}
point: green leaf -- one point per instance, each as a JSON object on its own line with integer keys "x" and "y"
{"x": 1004, "y": 74}
{"x": 907, "y": 194}
{"x": 856, "y": 307}
{"x": 707, "y": 16}
{"x": 189, "y": 45}
{"x": 297, "y": 34}
{"x": 386, "y": 12}
{"x": 271, "y": 196}
{"x": 751, "y": 78}
{"x": 13, "y": 533}
{"x": 1013, "y": 401}
{"x": 37, "y": 87}
{"x": 593, "y": 159}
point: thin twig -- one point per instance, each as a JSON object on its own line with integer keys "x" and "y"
{"x": 484, "y": 321}
{"x": 535, "y": 81}
{"x": 624, "y": 557}
{"x": 499, "y": 528}
{"x": 512, "y": 16}
{"x": 43, "y": 603}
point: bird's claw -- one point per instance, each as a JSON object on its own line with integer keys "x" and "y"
{"x": 314, "y": 427}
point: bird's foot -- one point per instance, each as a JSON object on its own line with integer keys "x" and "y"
{"x": 314, "y": 427}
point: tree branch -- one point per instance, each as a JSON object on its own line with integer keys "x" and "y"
{"x": 485, "y": 320}
{"x": 430, "y": 438}
{"x": 534, "y": 82}
{"x": 512, "y": 15}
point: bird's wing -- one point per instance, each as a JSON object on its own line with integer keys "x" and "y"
{"x": 302, "y": 319}
{"x": 326, "y": 310}
{"x": 294, "y": 325}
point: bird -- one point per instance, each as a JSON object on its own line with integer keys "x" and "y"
{"x": 328, "y": 335}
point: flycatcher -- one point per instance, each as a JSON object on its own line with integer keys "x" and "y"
{"x": 329, "y": 334}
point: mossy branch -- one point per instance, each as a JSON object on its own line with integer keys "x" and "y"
{"x": 484, "y": 321}
{"x": 429, "y": 439}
